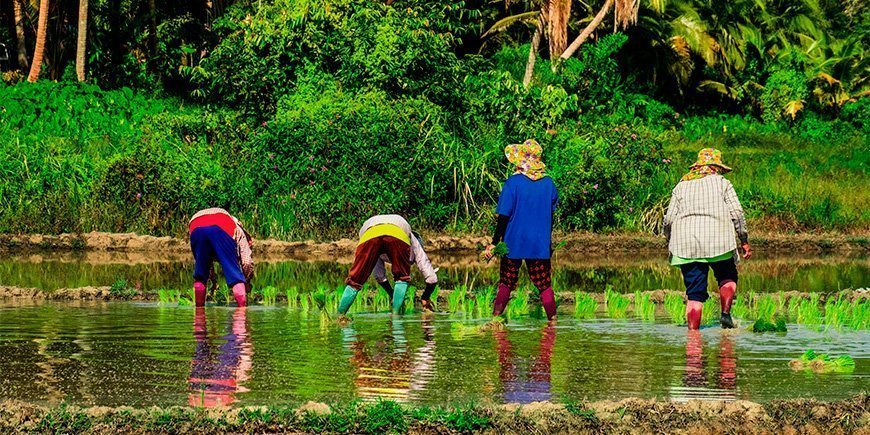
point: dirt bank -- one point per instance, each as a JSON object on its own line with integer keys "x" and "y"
{"x": 575, "y": 244}
{"x": 628, "y": 416}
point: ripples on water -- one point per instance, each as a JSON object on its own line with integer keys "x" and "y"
{"x": 145, "y": 354}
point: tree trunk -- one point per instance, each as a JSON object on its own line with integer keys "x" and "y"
{"x": 587, "y": 31}
{"x": 82, "y": 45}
{"x": 557, "y": 27}
{"x": 39, "y": 50}
{"x": 152, "y": 20}
{"x": 20, "y": 43}
{"x": 533, "y": 50}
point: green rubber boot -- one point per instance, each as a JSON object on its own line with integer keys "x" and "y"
{"x": 399, "y": 290}
{"x": 347, "y": 299}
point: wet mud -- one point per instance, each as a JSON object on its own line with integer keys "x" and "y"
{"x": 629, "y": 416}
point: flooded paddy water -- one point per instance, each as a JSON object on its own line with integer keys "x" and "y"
{"x": 147, "y": 353}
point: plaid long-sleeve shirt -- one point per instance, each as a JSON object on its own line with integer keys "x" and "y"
{"x": 703, "y": 217}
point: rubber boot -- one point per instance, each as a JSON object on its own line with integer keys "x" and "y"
{"x": 726, "y": 295}
{"x": 347, "y": 299}
{"x": 399, "y": 291}
{"x": 199, "y": 294}
{"x": 693, "y": 314}
{"x": 548, "y": 300}
{"x": 502, "y": 297}
{"x": 239, "y": 294}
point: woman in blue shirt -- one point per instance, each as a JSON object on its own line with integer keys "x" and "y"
{"x": 525, "y": 223}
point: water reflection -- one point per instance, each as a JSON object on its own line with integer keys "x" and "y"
{"x": 216, "y": 375}
{"x": 533, "y": 386}
{"x": 386, "y": 369}
{"x": 695, "y": 383}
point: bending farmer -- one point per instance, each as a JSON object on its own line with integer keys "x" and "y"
{"x": 388, "y": 238}
{"x": 702, "y": 218}
{"x": 525, "y": 222}
{"x": 216, "y": 235}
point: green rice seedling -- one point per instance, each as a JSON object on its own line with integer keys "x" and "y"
{"x": 763, "y": 325}
{"x": 585, "y": 305}
{"x": 382, "y": 300}
{"x": 409, "y": 299}
{"x": 859, "y": 315}
{"x": 518, "y": 305}
{"x": 270, "y": 295}
{"x": 292, "y": 294}
{"x": 319, "y": 300}
{"x": 305, "y": 304}
{"x": 616, "y": 304}
{"x": 165, "y": 296}
{"x": 222, "y": 293}
{"x": 468, "y": 308}
{"x": 781, "y": 305}
{"x": 739, "y": 309}
{"x": 808, "y": 311}
{"x": 675, "y": 308}
{"x": 765, "y": 308}
{"x": 711, "y": 309}
{"x": 837, "y": 313}
{"x": 483, "y": 301}
{"x": 644, "y": 307}
{"x": 456, "y": 299}
{"x": 822, "y": 363}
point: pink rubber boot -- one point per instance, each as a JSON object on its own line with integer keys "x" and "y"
{"x": 199, "y": 293}
{"x": 239, "y": 294}
{"x": 548, "y": 300}
{"x": 693, "y": 314}
{"x": 501, "y": 300}
{"x": 726, "y": 295}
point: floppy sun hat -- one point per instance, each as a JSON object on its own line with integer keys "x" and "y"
{"x": 526, "y": 157}
{"x": 710, "y": 157}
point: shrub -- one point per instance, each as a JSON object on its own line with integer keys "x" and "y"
{"x": 785, "y": 93}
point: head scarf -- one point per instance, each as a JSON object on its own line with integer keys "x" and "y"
{"x": 526, "y": 157}
{"x": 709, "y": 162}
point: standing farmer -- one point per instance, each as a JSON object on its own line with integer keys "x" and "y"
{"x": 525, "y": 223}
{"x": 217, "y": 235}
{"x": 702, "y": 218}
{"x": 388, "y": 238}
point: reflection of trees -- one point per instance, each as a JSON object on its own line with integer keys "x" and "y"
{"x": 216, "y": 375}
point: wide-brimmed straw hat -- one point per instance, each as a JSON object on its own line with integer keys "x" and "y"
{"x": 710, "y": 157}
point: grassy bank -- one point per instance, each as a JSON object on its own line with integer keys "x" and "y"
{"x": 80, "y": 159}
{"x": 626, "y": 416}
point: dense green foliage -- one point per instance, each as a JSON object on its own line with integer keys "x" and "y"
{"x": 304, "y": 118}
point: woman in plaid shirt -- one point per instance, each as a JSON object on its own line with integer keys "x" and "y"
{"x": 703, "y": 216}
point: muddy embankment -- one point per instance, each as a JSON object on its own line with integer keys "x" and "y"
{"x": 630, "y": 416}
{"x": 575, "y": 245}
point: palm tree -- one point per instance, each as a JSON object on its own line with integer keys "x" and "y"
{"x": 81, "y": 46}
{"x": 39, "y": 50}
{"x": 20, "y": 45}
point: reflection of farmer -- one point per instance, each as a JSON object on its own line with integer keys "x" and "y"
{"x": 702, "y": 217}
{"x": 388, "y": 238}
{"x": 536, "y": 387}
{"x": 525, "y": 222}
{"x": 215, "y": 377}
{"x": 695, "y": 385}
{"x": 215, "y": 235}
{"x": 387, "y": 369}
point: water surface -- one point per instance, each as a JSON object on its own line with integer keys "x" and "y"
{"x": 145, "y": 354}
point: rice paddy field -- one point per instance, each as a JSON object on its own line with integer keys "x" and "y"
{"x": 802, "y": 334}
